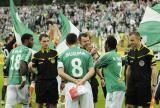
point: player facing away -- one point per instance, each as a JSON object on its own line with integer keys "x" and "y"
{"x": 111, "y": 65}
{"x": 18, "y": 77}
{"x": 76, "y": 67}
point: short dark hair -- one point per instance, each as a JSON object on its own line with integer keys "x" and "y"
{"x": 111, "y": 42}
{"x": 7, "y": 38}
{"x": 71, "y": 38}
{"x": 82, "y": 35}
{"x": 42, "y": 35}
{"x": 25, "y": 36}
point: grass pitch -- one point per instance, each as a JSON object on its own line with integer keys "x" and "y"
{"x": 100, "y": 104}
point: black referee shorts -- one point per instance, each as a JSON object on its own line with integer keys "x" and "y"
{"x": 5, "y": 71}
{"x": 94, "y": 86}
{"x": 46, "y": 91}
{"x": 140, "y": 96}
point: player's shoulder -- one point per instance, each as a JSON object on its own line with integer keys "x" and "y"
{"x": 22, "y": 47}
{"x": 149, "y": 51}
{"x": 83, "y": 50}
{"x": 37, "y": 54}
{"x": 109, "y": 53}
{"x": 53, "y": 52}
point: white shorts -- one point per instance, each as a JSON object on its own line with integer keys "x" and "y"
{"x": 114, "y": 99}
{"x": 86, "y": 100}
{"x": 16, "y": 95}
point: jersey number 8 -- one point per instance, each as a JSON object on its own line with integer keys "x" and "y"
{"x": 77, "y": 70}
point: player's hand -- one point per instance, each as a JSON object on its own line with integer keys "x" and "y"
{"x": 102, "y": 83}
{"x": 62, "y": 85}
{"x": 30, "y": 65}
{"x": 22, "y": 84}
{"x": 80, "y": 82}
{"x": 153, "y": 89}
{"x": 93, "y": 51}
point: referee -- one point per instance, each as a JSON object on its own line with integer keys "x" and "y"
{"x": 45, "y": 64}
{"x": 141, "y": 74}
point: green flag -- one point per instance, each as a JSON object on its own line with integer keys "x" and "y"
{"x": 20, "y": 28}
{"x": 150, "y": 26}
{"x": 67, "y": 27}
{"x": 156, "y": 8}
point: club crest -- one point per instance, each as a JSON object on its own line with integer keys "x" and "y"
{"x": 141, "y": 63}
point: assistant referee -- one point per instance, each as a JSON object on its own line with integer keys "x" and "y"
{"x": 141, "y": 74}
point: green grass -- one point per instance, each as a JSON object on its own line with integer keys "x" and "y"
{"x": 101, "y": 100}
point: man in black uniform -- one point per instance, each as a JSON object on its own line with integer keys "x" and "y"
{"x": 46, "y": 85}
{"x": 141, "y": 74}
{"x": 6, "y": 48}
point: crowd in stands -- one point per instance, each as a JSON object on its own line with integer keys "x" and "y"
{"x": 113, "y": 17}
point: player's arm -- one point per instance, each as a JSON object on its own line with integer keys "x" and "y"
{"x": 154, "y": 76}
{"x": 6, "y": 67}
{"x": 33, "y": 64}
{"x": 23, "y": 70}
{"x": 32, "y": 67}
{"x": 26, "y": 57}
{"x": 89, "y": 74}
{"x": 154, "y": 72}
{"x": 62, "y": 73}
{"x": 103, "y": 61}
{"x": 99, "y": 73}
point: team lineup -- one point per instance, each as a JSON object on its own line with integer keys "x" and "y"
{"x": 77, "y": 67}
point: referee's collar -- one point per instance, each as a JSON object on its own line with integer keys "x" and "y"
{"x": 139, "y": 48}
{"x": 47, "y": 50}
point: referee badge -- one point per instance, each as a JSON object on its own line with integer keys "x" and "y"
{"x": 141, "y": 63}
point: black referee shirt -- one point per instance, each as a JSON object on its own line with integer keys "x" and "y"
{"x": 140, "y": 61}
{"x": 46, "y": 64}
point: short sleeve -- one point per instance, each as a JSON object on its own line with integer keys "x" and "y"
{"x": 104, "y": 61}
{"x": 153, "y": 59}
{"x": 27, "y": 55}
{"x": 91, "y": 61}
{"x": 34, "y": 60}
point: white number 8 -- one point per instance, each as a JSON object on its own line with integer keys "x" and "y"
{"x": 77, "y": 71}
